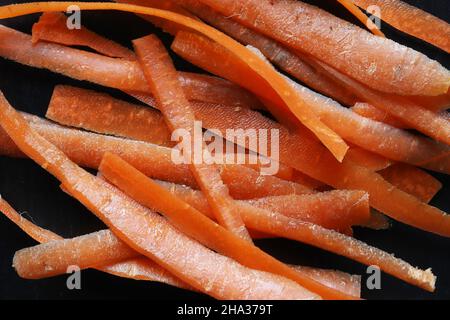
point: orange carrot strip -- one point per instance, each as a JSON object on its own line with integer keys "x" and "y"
{"x": 285, "y": 22}
{"x": 436, "y": 103}
{"x": 185, "y": 217}
{"x": 140, "y": 268}
{"x": 413, "y": 181}
{"x": 101, "y": 113}
{"x": 300, "y": 151}
{"x": 368, "y": 111}
{"x": 348, "y": 4}
{"x": 161, "y": 75}
{"x": 292, "y": 101}
{"x": 52, "y": 27}
{"x": 338, "y": 210}
{"x": 342, "y": 281}
{"x": 412, "y": 20}
{"x": 417, "y": 117}
{"x": 275, "y": 52}
{"x": 111, "y": 72}
{"x": 367, "y": 159}
{"x": 137, "y": 268}
{"x": 358, "y": 130}
{"x": 87, "y": 149}
{"x": 196, "y": 225}
{"x": 147, "y": 232}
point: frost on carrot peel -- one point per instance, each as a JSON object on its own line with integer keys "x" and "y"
{"x": 145, "y": 231}
{"x": 292, "y": 101}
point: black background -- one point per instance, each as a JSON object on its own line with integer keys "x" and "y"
{"x": 36, "y": 194}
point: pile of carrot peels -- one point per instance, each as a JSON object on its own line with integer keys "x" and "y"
{"x": 192, "y": 224}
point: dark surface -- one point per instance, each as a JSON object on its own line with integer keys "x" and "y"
{"x": 35, "y": 193}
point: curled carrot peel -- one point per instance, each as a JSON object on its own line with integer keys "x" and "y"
{"x": 353, "y": 9}
{"x": 278, "y": 54}
{"x": 412, "y": 20}
{"x": 177, "y": 111}
{"x": 145, "y": 231}
{"x": 52, "y": 26}
{"x": 192, "y": 222}
{"x": 301, "y": 110}
{"x": 87, "y": 149}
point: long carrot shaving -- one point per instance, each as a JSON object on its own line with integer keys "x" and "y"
{"x": 301, "y": 152}
{"x": 338, "y": 210}
{"x": 162, "y": 78}
{"x": 275, "y": 52}
{"x": 196, "y": 225}
{"x": 369, "y": 111}
{"x": 149, "y": 193}
{"x": 417, "y": 117}
{"x": 136, "y": 268}
{"x": 52, "y": 27}
{"x": 101, "y": 113}
{"x": 348, "y": 4}
{"x": 285, "y": 21}
{"x": 413, "y": 181}
{"x": 367, "y": 159}
{"x": 412, "y": 20}
{"x": 87, "y": 149}
{"x": 110, "y": 72}
{"x": 295, "y": 104}
{"x": 369, "y": 135}
{"x": 139, "y": 268}
{"x": 145, "y": 231}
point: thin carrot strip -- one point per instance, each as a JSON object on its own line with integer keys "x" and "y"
{"x": 201, "y": 228}
{"x": 353, "y": 9}
{"x": 293, "y": 102}
{"x": 369, "y": 135}
{"x": 101, "y": 113}
{"x": 275, "y": 52}
{"x": 147, "y": 232}
{"x": 413, "y": 181}
{"x": 111, "y": 72}
{"x": 338, "y": 210}
{"x": 285, "y": 22}
{"x": 52, "y": 27}
{"x": 137, "y": 268}
{"x": 420, "y": 118}
{"x": 367, "y": 159}
{"x": 412, "y": 20}
{"x": 162, "y": 78}
{"x": 185, "y": 217}
{"x": 436, "y": 103}
{"x": 300, "y": 151}
{"x": 368, "y": 111}
{"x": 87, "y": 149}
